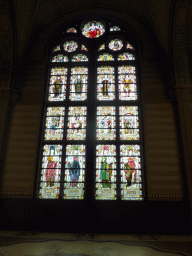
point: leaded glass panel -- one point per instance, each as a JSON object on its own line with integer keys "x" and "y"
{"x": 70, "y": 46}
{"x": 79, "y": 57}
{"x": 115, "y": 28}
{"x": 74, "y": 172}
{"x": 128, "y": 46}
{"x": 126, "y": 56}
{"x": 57, "y": 48}
{"x": 116, "y": 44}
{"x": 60, "y": 58}
{"x": 105, "y": 57}
{"x": 78, "y": 85}
{"x": 106, "y": 172}
{"x": 83, "y": 48}
{"x": 54, "y": 123}
{"x": 106, "y": 123}
{"x": 76, "y": 123}
{"x": 93, "y": 29}
{"x": 129, "y": 123}
{"x": 102, "y": 47}
{"x": 130, "y": 168}
{"x": 127, "y": 83}
{"x": 71, "y": 30}
{"x": 50, "y": 171}
{"x": 57, "y": 87}
{"x": 105, "y": 83}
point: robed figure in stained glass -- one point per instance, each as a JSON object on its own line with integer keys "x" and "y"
{"x": 105, "y": 174}
{"x": 127, "y": 86}
{"x": 74, "y": 171}
{"x": 50, "y": 172}
{"x": 57, "y": 87}
{"x": 78, "y": 85}
{"x": 129, "y": 170}
{"x": 105, "y": 87}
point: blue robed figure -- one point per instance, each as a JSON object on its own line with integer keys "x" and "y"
{"x": 74, "y": 171}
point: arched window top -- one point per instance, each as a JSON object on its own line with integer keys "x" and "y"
{"x": 105, "y": 57}
{"x": 79, "y": 58}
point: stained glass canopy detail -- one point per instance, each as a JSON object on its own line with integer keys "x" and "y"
{"x": 70, "y": 46}
{"x": 93, "y": 29}
{"x": 116, "y": 44}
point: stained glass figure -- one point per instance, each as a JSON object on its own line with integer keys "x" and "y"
{"x": 76, "y": 123}
{"x": 71, "y": 30}
{"x": 105, "y": 83}
{"x": 79, "y": 57}
{"x": 127, "y": 83}
{"x": 70, "y": 46}
{"x": 106, "y": 172}
{"x": 102, "y": 47}
{"x": 105, "y": 57}
{"x": 54, "y": 123}
{"x": 74, "y": 172}
{"x": 130, "y": 168}
{"x": 57, "y": 87}
{"x": 57, "y": 48}
{"x": 106, "y": 123}
{"x": 93, "y": 29}
{"x": 116, "y": 44}
{"x": 50, "y": 172}
{"x": 60, "y": 58}
{"x": 83, "y": 48}
{"x": 126, "y": 56}
{"x": 115, "y": 28}
{"x": 129, "y": 123}
{"x": 128, "y": 46}
{"x": 78, "y": 85}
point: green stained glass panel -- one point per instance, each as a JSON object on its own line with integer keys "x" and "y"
{"x": 60, "y": 58}
{"x": 116, "y": 45}
{"x": 105, "y": 83}
{"x": 105, "y": 57}
{"x": 70, "y": 46}
{"x": 54, "y": 123}
{"x": 57, "y": 87}
{"x": 127, "y": 83}
{"x": 102, "y": 47}
{"x": 79, "y": 58}
{"x": 76, "y": 123}
{"x": 50, "y": 172}
{"x": 129, "y": 123}
{"x": 106, "y": 172}
{"x": 78, "y": 84}
{"x": 106, "y": 123}
{"x": 130, "y": 168}
{"x": 126, "y": 56}
{"x": 74, "y": 172}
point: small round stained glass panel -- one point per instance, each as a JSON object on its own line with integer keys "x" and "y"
{"x": 116, "y": 45}
{"x": 70, "y": 46}
{"x": 93, "y": 29}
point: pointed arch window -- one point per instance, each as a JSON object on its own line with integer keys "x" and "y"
{"x": 91, "y": 144}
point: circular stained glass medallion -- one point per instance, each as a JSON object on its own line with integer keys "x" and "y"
{"x": 116, "y": 45}
{"x": 93, "y": 29}
{"x": 70, "y": 46}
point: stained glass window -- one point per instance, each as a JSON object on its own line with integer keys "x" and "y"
{"x": 116, "y": 44}
{"x": 93, "y": 29}
{"x": 79, "y": 57}
{"x": 70, "y": 46}
{"x": 91, "y": 126}
{"x": 105, "y": 57}
{"x": 60, "y": 58}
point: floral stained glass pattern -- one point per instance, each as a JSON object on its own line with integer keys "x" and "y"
{"x": 106, "y": 172}
{"x": 105, "y": 83}
{"x": 74, "y": 172}
{"x": 102, "y": 47}
{"x": 126, "y": 56}
{"x": 129, "y": 123}
{"x": 50, "y": 172}
{"x": 83, "y": 48}
{"x": 57, "y": 48}
{"x": 106, "y": 123}
{"x": 60, "y": 58}
{"x": 79, "y": 58}
{"x": 57, "y": 87}
{"x": 71, "y": 30}
{"x": 115, "y": 28}
{"x": 70, "y": 46}
{"x": 105, "y": 57}
{"x": 78, "y": 84}
{"x": 116, "y": 44}
{"x": 76, "y": 123}
{"x": 127, "y": 83}
{"x": 54, "y": 123}
{"x": 93, "y": 29}
{"x": 130, "y": 168}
